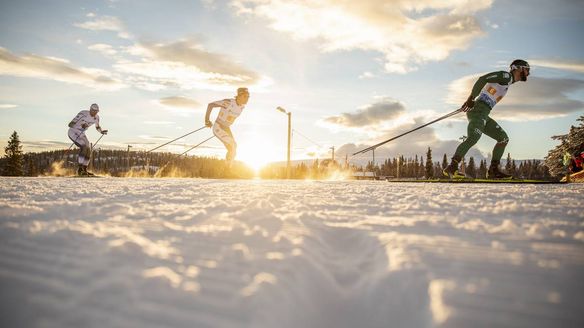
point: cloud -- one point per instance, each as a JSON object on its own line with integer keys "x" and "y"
{"x": 382, "y": 110}
{"x": 159, "y": 122}
{"x": 406, "y": 32}
{"x": 179, "y": 101}
{"x": 7, "y": 106}
{"x": 104, "y": 49}
{"x": 44, "y": 145}
{"x": 537, "y": 99}
{"x": 56, "y": 69}
{"x": 105, "y": 23}
{"x": 184, "y": 64}
{"x": 366, "y": 75}
{"x": 559, "y": 64}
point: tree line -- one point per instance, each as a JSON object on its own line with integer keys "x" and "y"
{"x": 161, "y": 164}
{"x": 118, "y": 163}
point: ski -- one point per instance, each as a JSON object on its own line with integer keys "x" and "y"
{"x": 471, "y": 180}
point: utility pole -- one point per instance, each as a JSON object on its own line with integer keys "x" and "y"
{"x": 289, "y": 142}
{"x": 289, "y": 139}
{"x": 333, "y": 149}
{"x": 373, "y": 163}
{"x": 128, "y": 156}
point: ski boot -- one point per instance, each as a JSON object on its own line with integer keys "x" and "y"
{"x": 81, "y": 171}
{"x": 494, "y": 172}
{"x": 451, "y": 171}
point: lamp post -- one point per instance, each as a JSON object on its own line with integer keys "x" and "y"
{"x": 280, "y": 109}
{"x": 128, "y": 156}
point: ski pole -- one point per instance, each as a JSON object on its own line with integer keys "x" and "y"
{"x": 173, "y": 140}
{"x": 197, "y": 145}
{"x": 403, "y": 134}
{"x": 92, "y": 148}
{"x": 95, "y": 144}
{"x": 193, "y": 147}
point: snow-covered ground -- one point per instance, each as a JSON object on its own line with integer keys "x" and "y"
{"x": 116, "y": 252}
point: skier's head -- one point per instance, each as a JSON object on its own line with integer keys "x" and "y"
{"x": 93, "y": 109}
{"x": 242, "y": 96}
{"x": 520, "y": 69}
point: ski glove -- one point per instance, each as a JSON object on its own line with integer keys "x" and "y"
{"x": 208, "y": 124}
{"x": 103, "y": 131}
{"x": 84, "y": 126}
{"x": 468, "y": 104}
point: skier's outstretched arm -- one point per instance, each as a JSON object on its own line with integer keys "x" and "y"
{"x": 210, "y": 108}
{"x": 497, "y": 77}
{"x": 98, "y": 127}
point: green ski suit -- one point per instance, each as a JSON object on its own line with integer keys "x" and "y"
{"x": 487, "y": 92}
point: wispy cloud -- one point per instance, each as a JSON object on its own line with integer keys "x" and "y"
{"x": 56, "y": 69}
{"x": 383, "y": 109}
{"x": 185, "y": 64}
{"x": 560, "y": 64}
{"x": 179, "y": 101}
{"x": 158, "y": 122}
{"x": 537, "y": 99}
{"x": 104, "y": 49}
{"x": 43, "y": 145}
{"x": 7, "y": 106}
{"x": 105, "y": 23}
{"x": 406, "y": 32}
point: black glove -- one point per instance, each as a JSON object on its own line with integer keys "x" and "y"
{"x": 103, "y": 131}
{"x": 84, "y": 126}
{"x": 208, "y": 124}
{"x": 468, "y": 104}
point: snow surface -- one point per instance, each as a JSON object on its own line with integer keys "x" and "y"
{"x": 116, "y": 252}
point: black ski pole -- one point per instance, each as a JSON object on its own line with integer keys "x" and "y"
{"x": 403, "y": 134}
{"x": 173, "y": 140}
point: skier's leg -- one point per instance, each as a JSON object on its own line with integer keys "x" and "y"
{"x": 224, "y": 134}
{"x": 476, "y": 125}
{"x": 474, "y": 130}
{"x": 493, "y": 130}
{"x": 80, "y": 140}
{"x": 84, "y": 151}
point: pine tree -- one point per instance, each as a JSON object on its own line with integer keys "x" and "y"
{"x": 571, "y": 142}
{"x": 444, "y": 162}
{"x": 429, "y": 165}
{"x": 483, "y": 169}
{"x": 508, "y": 164}
{"x": 471, "y": 169}
{"x": 14, "y": 164}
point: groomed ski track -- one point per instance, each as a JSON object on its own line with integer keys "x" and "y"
{"x": 117, "y": 252}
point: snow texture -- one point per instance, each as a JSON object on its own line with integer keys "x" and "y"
{"x": 116, "y": 252}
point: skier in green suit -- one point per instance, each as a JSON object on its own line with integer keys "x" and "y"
{"x": 487, "y": 91}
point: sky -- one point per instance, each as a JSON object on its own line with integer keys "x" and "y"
{"x": 352, "y": 73}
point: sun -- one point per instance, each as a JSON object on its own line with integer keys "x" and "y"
{"x": 257, "y": 153}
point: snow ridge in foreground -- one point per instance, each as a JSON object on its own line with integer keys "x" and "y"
{"x": 215, "y": 253}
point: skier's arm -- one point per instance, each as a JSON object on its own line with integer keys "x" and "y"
{"x": 496, "y": 77}
{"x": 75, "y": 120}
{"x": 210, "y": 108}
{"x": 98, "y": 127}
